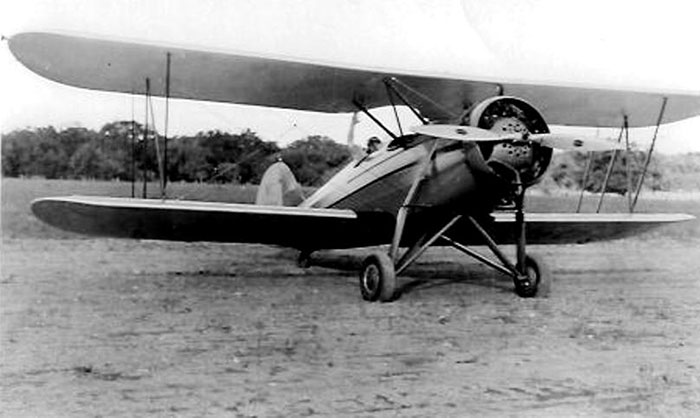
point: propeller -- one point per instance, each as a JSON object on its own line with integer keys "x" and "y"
{"x": 559, "y": 141}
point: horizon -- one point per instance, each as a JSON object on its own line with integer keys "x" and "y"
{"x": 32, "y": 101}
{"x": 278, "y": 143}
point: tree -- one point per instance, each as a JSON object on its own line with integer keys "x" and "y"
{"x": 241, "y": 158}
{"x": 118, "y": 146}
{"x": 207, "y": 156}
{"x": 314, "y": 159}
{"x": 89, "y": 161}
{"x": 34, "y": 152}
{"x": 187, "y": 160}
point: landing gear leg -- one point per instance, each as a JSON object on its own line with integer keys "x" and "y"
{"x": 533, "y": 277}
{"x": 378, "y": 274}
{"x": 530, "y": 274}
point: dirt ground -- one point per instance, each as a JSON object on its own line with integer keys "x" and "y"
{"x": 126, "y": 328}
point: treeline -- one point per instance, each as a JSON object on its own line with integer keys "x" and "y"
{"x": 118, "y": 151}
{"x": 568, "y": 170}
{"x": 664, "y": 172}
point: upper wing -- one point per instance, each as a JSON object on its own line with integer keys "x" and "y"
{"x": 303, "y": 84}
{"x": 295, "y": 227}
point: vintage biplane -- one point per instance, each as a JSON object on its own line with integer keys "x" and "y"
{"x": 458, "y": 178}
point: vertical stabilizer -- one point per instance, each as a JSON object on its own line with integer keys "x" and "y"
{"x": 355, "y": 151}
{"x": 278, "y": 187}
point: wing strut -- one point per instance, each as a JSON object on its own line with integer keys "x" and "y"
{"x": 393, "y": 106}
{"x": 609, "y": 171}
{"x": 366, "y": 111}
{"x": 628, "y": 164}
{"x": 392, "y": 84}
{"x": 164, "y": 173}
{"x": 624, "y": 130}
{"x": 389, "y": 83}
{"x": 395, "y": 83}
{"x": 144, "y": 151}
{"x": 651, "y": 150}
{"x": 132, "y": 135}
{"x": 584, "y": 181}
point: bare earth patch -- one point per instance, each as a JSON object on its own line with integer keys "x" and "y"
{"x": 129, "y": 328}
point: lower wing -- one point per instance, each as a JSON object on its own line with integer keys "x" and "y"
{"x": 310, "y": 228}
{"x": 578, "y": 228}
{"x": 173, "y": 220}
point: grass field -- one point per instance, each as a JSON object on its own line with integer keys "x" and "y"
{"x": 18, "y": 221}
{"x": 121, "y": 328}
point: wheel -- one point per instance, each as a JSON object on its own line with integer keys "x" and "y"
{"x": 377, "y": 278}
{"x": 537, "y": 280}
{"x": 304, "y": 259}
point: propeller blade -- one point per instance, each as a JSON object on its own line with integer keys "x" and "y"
{"x": 575, "y": 142}
{"x": 558, "y": 141}
{"x": 457, "y": 132}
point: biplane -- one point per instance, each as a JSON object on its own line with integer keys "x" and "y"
{"x": 457, "y": 178}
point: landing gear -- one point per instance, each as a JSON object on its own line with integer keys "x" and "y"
{"x": 377, "y": 278}
{"x": 304, "y": 259}
{"x": 378, "y": 274}
{"x": 536, "y": 280}
{"x": 512, "y": 166}
{"x": 530, "y": 274}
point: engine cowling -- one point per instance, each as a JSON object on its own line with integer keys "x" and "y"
{"x": 507, "y": 114}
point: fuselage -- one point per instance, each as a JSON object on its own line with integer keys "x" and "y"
{"x": 380, "y": 181}
{"x": 461, "y": 176}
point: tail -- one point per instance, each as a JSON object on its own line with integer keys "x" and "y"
{"x": 355, "y": 151}
{"x": 278, "y": 187}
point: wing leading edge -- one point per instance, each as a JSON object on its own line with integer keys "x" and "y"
{"x": 303, "y": 84}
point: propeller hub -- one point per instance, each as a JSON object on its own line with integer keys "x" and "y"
{"x": 518, "y": 153}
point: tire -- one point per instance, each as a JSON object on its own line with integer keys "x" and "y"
{"x": 538, "y": 282}
{"x": 304, "y": 259}
{"x": 377, "y": 278}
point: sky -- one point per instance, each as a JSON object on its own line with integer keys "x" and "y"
{"x": 620, "y": 44}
